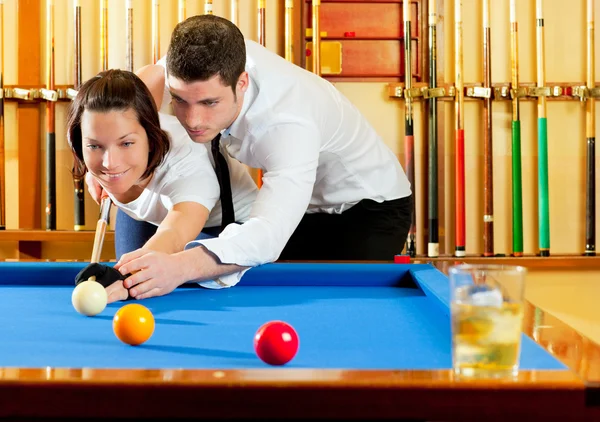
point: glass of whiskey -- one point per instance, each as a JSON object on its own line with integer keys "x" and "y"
{"x": 486, "y": 312}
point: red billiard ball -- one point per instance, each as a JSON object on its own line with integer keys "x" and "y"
{"x": 276, "y": 343}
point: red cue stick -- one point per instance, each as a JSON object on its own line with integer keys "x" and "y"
{"x": 460, "y": 223}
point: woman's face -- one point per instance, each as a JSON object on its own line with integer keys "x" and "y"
{"x": 115, "y": 150}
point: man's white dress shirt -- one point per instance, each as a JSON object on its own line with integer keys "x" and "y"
{"x": 317, "y": 151}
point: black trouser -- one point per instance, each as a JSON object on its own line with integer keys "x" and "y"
{"x": 367, "y": 231}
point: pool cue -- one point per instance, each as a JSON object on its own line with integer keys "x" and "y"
{"x": 208, "y": 7}
{"x": 261, "y": 23}
{"x": 433, "y": 247}
{"x": 182, "y": 10}
{"x": 590, "y": 114}
{"x": 409, "y": 140}
{"x": 101, "y": 225}
{"x": 155, "y": 31}
{"x": 517, "y": 194}
{"x": 543, "y": 206}
{"x": 2, "y": 176}
{"x": 79, "y": 193}
{"x": 235, "y": 17}
{"x": 459, "y": 172}
{"x": 129, "y": 34}
{"x": 289, "y": 22}
{"x": 50, "y": 124}
{"x": 104, "y": 34}
{"x": 488, "y": 150}
{"x": 316, "y": 36}
{"x": 262, "y": 41}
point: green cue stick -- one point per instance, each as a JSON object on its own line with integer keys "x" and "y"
{"x": 543, "y": 202}
{"x": 488, "y": 173}
{"x": 517, "y": 194}
{"x": 409, "y": 140}
{"x": 433, "y": 248}
{"x": 590, "y": 197}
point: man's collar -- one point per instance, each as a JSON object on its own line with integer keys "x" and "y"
{"x": 238, "y": 128}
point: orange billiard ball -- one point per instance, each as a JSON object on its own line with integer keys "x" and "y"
{"x": 276, "y": 343}
{"x": 133, "y": 324}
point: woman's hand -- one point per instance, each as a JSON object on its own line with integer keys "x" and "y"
{"x": 152, "y": 273}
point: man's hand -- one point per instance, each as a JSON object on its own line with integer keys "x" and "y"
{"x": 153, "y": 273}
{"x": 94, "y": 188}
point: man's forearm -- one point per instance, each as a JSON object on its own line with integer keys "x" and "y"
{"x": 199, "y": 264}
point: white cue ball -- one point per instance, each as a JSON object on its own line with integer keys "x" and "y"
{"x": 89, "y": 298}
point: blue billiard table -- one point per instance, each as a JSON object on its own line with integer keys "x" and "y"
{"x": 368, "y": 332}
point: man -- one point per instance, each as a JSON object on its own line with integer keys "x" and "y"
{"x": 331, "y": 188}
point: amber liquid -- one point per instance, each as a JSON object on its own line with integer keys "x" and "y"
{"x": 486, "y": 339}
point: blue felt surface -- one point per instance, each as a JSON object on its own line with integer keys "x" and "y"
{"x": 376, "y": 316}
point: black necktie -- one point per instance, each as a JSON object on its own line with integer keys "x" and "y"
{"x": 222, "y": 171}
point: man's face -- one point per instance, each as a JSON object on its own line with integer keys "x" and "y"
{"x": 204, "y": 108}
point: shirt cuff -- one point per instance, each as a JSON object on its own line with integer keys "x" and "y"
{"x": 223, "y": 281}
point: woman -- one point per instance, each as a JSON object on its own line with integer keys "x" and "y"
{"x": 147, "y": 164}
